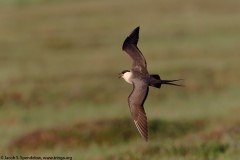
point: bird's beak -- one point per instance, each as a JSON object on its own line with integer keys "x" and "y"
{"x": 119, "y": 75}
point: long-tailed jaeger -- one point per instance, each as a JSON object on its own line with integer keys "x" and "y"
{"x": 139, "y": 77}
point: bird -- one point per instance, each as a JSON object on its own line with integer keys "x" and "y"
{"x": 140, "y": 79}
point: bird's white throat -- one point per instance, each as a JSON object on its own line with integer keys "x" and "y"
{"x": 127, "y": 76}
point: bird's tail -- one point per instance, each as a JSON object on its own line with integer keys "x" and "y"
{"x": 156, "y": 81}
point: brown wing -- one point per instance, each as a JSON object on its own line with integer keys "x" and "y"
{"x": 130, "y": 46}
{"x": 136, "y": 101}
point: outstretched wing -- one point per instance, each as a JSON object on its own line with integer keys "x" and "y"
{"x": 136, "y": 101}
{"x": 130, "y": 46}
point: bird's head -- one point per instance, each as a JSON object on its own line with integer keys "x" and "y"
{"x": 124, "y": 72}
{"x": 126, "y": 75}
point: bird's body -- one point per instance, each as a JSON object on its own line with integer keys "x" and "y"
{"x": 139, "y": 77}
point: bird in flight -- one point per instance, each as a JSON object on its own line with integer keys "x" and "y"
{"x": 139, "y": 77}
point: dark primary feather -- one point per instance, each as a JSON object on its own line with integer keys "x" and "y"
{"x": 132, "y": 38}
{"x": 136, "y": 101}
{"x": 130, "y": 46}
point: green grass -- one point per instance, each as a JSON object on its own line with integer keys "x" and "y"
{"x": 60, "y": 95}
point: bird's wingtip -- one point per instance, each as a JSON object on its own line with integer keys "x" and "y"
{"x": 137, "y": 28}
{"x": 132, "y": 38}
{"x": 145, "y": 138}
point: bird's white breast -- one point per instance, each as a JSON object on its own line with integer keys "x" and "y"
{"x": 127, "y": 76}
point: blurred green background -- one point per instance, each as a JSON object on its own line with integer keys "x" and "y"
{"x": 60, "y": 95}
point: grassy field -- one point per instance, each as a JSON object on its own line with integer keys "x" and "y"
{"x": 60, "y": 95}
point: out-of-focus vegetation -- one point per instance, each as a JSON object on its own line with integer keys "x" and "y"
{"x": 60, "y": 95}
